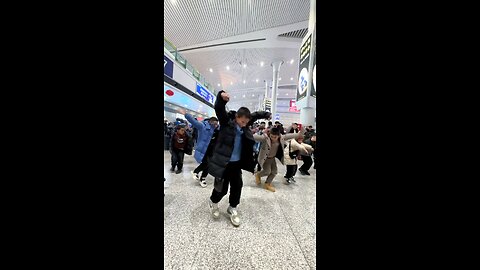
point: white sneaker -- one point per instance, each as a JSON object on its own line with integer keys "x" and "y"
{"x": 203, "y": 183}
{"x": 195, "y": 175}
{"x": 214, "y": 209}
{"x": 234, "y": 217}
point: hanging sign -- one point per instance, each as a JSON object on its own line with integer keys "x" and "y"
{"x": 303, "y": 68}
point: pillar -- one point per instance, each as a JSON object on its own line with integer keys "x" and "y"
{"x": 276, "y": 71}
{"x": 266, "y": 95}
{"x": 307, "y": 112}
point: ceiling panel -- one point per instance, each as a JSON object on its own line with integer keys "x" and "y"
{"x": 189, "y": 22}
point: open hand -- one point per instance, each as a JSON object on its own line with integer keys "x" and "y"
{"x": 182, "y": 111}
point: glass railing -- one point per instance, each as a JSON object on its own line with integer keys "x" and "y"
{"x": 184, "y": 63}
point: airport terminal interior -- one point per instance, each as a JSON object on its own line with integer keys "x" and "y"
{"x": 241, "y": 140}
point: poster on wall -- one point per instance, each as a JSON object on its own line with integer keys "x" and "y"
{"x": 313, "y": 93}
{"x": 303, "y": 67}
{"x": 167, "y": 66}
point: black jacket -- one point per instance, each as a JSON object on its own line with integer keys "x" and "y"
{"x": 223, "y": 148}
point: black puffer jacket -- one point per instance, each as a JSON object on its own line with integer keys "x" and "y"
{"x": 225, "y": 140}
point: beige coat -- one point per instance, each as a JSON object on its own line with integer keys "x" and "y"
{"x": 304, "y": 149}
{"x": 266, "y": 144}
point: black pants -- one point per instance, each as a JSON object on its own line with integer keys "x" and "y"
{"x": 232, "y": 176}
{"x": 177, "y": 158}
{"x": 255, "y": 157}
{"x": 307, "y": 163}
{"x": 203, "y": 167}
{"x": 291, "y": 171}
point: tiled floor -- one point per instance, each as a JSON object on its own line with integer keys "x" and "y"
{"x": 277, "y": 230}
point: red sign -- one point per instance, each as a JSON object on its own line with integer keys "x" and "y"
{"x": 169, "y": 92}
{"x": 293, "y": 106}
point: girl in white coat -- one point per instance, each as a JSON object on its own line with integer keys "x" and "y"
{"x": 291, "y": 151}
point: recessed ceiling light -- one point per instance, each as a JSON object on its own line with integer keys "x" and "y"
{"x": 234, "y": 96}
{"x": 244, "y": 81}
{"x": 243, "y": 95}
{"x": 211, "y": 70}
{"x": 218, "y": 85}
{"x": 244, "y": 65}
{"x": 253, "y": 95}
{"x": 231, "y": 83}
{"x": 286, "y": 94}
{"x": 261, "y": 64}
{"x": 291, "y": 61}
{"x": 256, "y": 80}
{"x": 291, "y": 79}
{"x": 228, "y": 68}
{"x": 280, "y": 78}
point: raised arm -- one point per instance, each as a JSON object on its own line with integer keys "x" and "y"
{"x": 220, "y": 111}
{"x": 197, "y": 124}
{"x": 259, "y": 138}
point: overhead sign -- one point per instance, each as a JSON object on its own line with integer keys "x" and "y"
{"x": 303, "y": 67}
{"x": 277, "y": 117}
{"x": 205, "y": 94}
{"x": 167, "y": 66}
{"x": 267, "y": 104}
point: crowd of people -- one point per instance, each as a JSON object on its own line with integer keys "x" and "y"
{"x": 236, "y": 141}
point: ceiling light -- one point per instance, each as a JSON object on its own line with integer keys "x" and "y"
{"x": 243, "y": 95}
{"x": 261, "y": 64}
{"x": 280, "y": 78}
{"x": 286, "y": 94}
{"x": 291, "y": 79}
{"x": 228, "y": 68}
{"x": 231, "y": 83}
{"x": 211, "y": 70}
{"x": 244, "y": 81}
{"x": 234, "y": 96}
{"x": 253, "y": 95}
{"x": 218, "y": 84}
{"x": 244, "y": 65}
{"x": 291, "y": 61}
{"x": 256, "y": 80}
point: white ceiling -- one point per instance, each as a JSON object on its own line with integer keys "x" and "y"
{"x": 204, "y": 20}
{"x": 190, "y": 24}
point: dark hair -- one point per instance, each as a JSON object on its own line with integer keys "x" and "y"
{"x": 275, "y": 131}
{"x": 269, "y": 123}
{"x": 262, "y": 123}
{"x": 243, "y": 112}
{"x": 213, "y": 118}
{"x": 277, "y": 122}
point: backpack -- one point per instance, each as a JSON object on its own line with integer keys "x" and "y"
{"x": 294, "y": 154}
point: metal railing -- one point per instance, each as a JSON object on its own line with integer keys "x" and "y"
{"x": 184, "y": 63}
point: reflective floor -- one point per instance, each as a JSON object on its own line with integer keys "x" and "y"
{"x": 277, "y": 230}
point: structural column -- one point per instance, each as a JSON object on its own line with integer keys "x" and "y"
{"x": 266, "y": 96}
{"x": 276, "y": 71}
{"x": 307, "y": 112}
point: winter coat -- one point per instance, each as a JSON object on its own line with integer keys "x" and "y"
{"x": 223, "y": 148}
{"x": 188, "y": 143}
{"x": 266, "y": 143}
{"x": 205, "y": 132}
{"x": 293, "y": 146}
